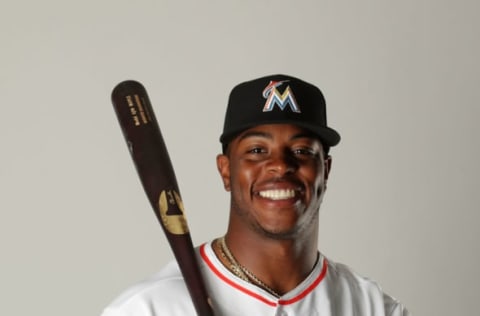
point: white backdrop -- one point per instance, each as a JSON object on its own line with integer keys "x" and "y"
{"x": 401, "y": 83}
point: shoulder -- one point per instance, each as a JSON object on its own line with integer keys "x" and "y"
{"x": 362, "y": 291}
{"x": 345, "y": 276}
{"x": 153, "y": 294}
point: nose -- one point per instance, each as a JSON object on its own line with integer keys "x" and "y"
{"x": 282, "y": 163}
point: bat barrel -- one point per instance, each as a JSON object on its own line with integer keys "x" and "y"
{"x": 150, "y": 156}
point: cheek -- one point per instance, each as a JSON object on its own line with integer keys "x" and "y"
{"x": 242, "y": 177}
{"x": 321, "y": 184}
{"x": 320, "y": 187}
{"x": 314, "y": 175}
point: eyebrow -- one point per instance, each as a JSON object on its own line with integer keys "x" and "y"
{"x": 269, "y": 136}
{"x": 304, "y": 135}
{"x": 254, "y": 134}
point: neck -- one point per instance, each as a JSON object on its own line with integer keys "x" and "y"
{"x": 281, "y": 264}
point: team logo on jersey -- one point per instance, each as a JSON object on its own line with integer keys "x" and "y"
{"x": 274, "y": 97}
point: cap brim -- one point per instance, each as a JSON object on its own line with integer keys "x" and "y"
{"x": 328, "y": 136}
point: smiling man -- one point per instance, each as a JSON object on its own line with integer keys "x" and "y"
{"x": 275, "y": 163}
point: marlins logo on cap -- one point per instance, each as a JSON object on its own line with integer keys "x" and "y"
{"x": 274, "y": 97}
{"x": 289, "y": 100}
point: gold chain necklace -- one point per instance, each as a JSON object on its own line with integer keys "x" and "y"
{"x": 242, "y": 272}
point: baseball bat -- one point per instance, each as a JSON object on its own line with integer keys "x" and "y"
{"x": 150, "y": 156}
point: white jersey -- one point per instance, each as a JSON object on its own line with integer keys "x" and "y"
{"x": 331, "y": 289}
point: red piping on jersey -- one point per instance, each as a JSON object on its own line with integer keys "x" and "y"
{"x": 257, "y": 296}
{"x": 308, "y": 289}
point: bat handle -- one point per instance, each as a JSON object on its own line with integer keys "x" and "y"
{"x": 187, "y": 263}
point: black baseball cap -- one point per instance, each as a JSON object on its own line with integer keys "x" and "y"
{"x": 277, "y": 99}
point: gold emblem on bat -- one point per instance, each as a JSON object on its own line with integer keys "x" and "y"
{"x": 171, "y": 212}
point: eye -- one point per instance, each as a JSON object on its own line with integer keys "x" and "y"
{"x": 305, "y": 152}
{"x": 256, "y": 150}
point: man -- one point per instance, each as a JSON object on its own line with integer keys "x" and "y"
{"x": 275, "y": 164}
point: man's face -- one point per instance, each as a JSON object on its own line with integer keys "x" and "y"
{"x": 277, "y": 176}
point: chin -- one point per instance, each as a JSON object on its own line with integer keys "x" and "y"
{"x": 280, "y": 233}
{"x": 303, "y": 227}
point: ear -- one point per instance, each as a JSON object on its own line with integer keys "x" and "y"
{"x": 223, "y": 166}
{"x": 327, "y": 165}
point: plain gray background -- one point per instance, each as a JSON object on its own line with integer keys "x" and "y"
{"x": 401, "y": 83}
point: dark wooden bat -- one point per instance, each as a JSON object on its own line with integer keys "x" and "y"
{"x": 150, "y": 156}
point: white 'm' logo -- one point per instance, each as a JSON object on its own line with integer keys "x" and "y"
{"x": 274, "y": 97}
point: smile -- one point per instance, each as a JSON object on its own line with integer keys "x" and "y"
{"x": 277, "y": 194}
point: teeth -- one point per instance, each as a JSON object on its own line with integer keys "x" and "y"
{"x": 277, "y": 194}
